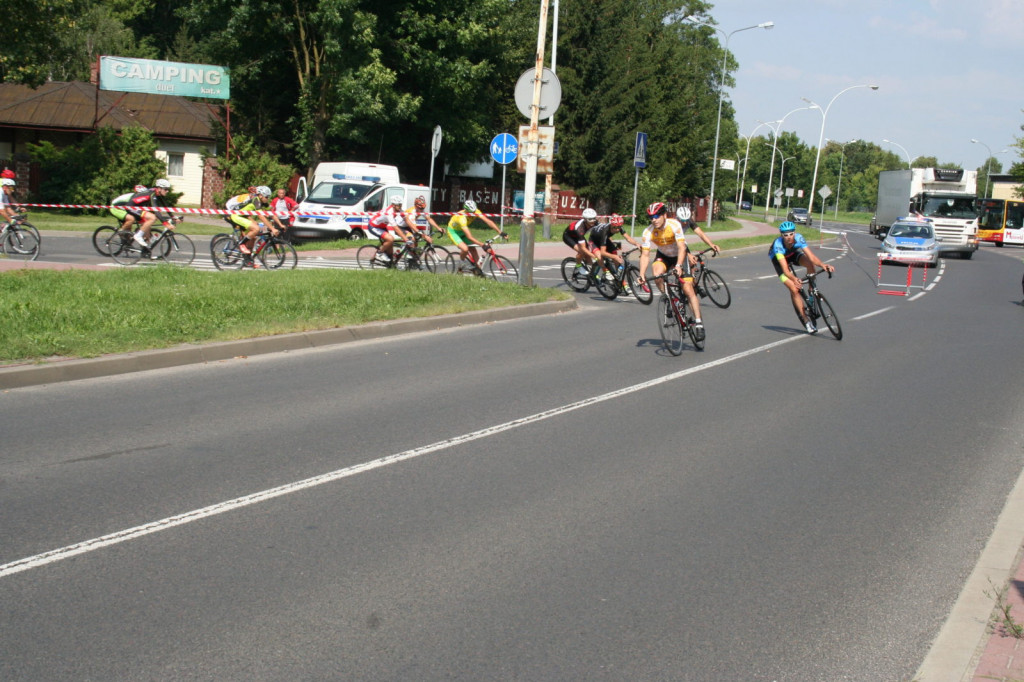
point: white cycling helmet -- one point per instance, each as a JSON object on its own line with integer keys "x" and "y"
{"x": 683, "y": 213}
{"x": 140, "y": 188}
{"x": 469, "y": 205}
{"x": 589, "y": 214}
{"x": 396, "y": 200}
{"x": 7, "y": 182}
{"x": 163, "y": 183}
{"x": 263, "y": 191}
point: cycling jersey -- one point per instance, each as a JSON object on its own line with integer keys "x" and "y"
{"x": 120, "y": 201}
{"x": 409, "y": 217}
{"x": 243, "y": 202}
{"x": 461, "y": 220}
{"x": 386, "y": 219}
{"x": 778, "y": 249}
{"x": 144, "y": 201}
{"x": 601, "y": 235}
{"x": 666, "y": 238}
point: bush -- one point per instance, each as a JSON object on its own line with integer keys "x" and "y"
{"x": 248, "y": 166}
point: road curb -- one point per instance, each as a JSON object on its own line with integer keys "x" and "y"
{"x": 19, "y": 376}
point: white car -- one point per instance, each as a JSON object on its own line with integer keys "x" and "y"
{"x": 910, "y": 241}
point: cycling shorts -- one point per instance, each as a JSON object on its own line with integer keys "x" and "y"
{"x": 459, "y": 237}
{"x": 118, "y": 212}
{"x": 791, "y": 258}
{"x": 570, "y": 238}
{"x": 671, "y": 261}
{"x": 242, "y": 222}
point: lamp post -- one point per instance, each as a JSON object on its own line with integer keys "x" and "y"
{"x": 721, "y": 95}
{"x": 746, "y": 160}
{"x": 842, "y": 154}
{"x": 905, "y": 152}
{"x": 775, "y": 141}
{"x": 988, "y": 164}
{"x": 782, "y": 175}
{"x": 821, "y": 137}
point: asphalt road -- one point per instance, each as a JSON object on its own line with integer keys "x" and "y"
{"x": 548, "y": 498}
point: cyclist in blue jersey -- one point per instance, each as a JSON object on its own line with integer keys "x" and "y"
{"x": 789, "y": 249}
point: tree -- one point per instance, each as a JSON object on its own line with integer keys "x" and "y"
{"x": 32, "y": 39}
{"x": 247, "y": 166}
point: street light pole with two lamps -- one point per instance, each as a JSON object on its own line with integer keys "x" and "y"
{"x": 988, "y": 163}
{"x": 693, "y": 19}
{"x": 775, "y": 142}
{"x": 821, "y": 136}
{"x": 842, "y": 154}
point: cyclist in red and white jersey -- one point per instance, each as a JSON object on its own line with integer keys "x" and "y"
{"x": 384, "y": 224}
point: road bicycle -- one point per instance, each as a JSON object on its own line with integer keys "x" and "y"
{"x": 609, "y": 278}
{"x": 408, "y": 256}
{"x": 674, "y": 320}
{"x": 19, "y": 239}
{"x": 101, "y": 238}
{"x": 494, "y": 265}
{"x": 167, "y": 246}
{"x": 817, "y": 306}
{"x": 273, "y": 252}
{"x": 708, "y": 283}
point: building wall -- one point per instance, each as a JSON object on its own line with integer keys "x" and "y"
{"x": 185, "y": 169}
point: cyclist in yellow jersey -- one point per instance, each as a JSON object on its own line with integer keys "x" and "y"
{"x": 458, "y": 230}
{"x": 418, "y": 210}
{"x": 668, "y": 235}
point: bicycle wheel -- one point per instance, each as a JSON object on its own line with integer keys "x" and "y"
{"x": 224, "y": 252}
{"x": 668, "y": 326}
{"x": 502, "y": 269}
{"x": 279, "y": 255}
{"x": 21, "y": 243}
{"x": 830, "y": 316}
{"x": 366, "y": 255}
{"x": 605, "y": 286}
{"x": 643, "y": 292}
{"x": 432, "y": 260}
{"x": 715, "y": 287}
{"x": 101, "y": 238}
{"x": 577, "y": 280}
{"x": 176, "y": 249}
{"x": 128, "y": 252}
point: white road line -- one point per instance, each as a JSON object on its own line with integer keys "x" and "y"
{"x": 877, "y": 312}
{"x": 118, "y": 537}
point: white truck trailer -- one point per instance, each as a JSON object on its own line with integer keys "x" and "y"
{"x": 947, "y": 197}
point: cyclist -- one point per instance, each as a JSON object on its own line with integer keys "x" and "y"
{"x": 253, "y": 200}
{"x": 6, "y": 198}
{"x": 384, "y": 224}
{"x": 124, "y": 218}
{"x": 458, "y": 230}
{"x": 667, "y": 235}
{"x": 791, "y": 248}
{"x": 419, "y": 210}
{"x": 601, "y": 244}
{"x": 140, "y": 206}
{"x": 685, "y": 217}
{"x": 575, "y": 237}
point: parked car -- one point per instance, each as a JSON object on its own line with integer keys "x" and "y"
{"x": 800, "y": 216}
{"x": 910, "y": 241}
{"x": 744, "y": 205}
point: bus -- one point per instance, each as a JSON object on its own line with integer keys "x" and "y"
{"x": 1001, "y": 221}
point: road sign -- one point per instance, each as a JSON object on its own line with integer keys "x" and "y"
{"x": 435, "y": 142}
{"x": 550, "y": 93}
{"x": 640, "y": 151}
{"x": 504, "y": 148}
{"x": 825, "y": 192}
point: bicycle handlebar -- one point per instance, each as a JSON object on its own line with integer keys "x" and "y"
{"x": 814, "y": 275}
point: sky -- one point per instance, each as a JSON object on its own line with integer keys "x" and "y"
{"x": 947, "y": 70}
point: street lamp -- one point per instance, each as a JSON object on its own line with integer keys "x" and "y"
{"x": 821, "y": 137}
{"x": 775, "y": 141}
{"x": 905, "y": 152}
{"x": 842, "y": 154}
{"x": 782, "y": 175}
{"x": 988, "y": 164}
{"x": 721, "y": 95}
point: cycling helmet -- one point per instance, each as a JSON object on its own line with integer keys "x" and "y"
{"x": 787, "y": 226}
{"x": 589, "y": 214}
{"x": 616, "y": 220}
{"x": 470, "y": 205}
{"x": 420, "y": 202}
{"x": 139, "y": 188}
{"x": 7, "y": 182}
{"x": 263, "y": 191}
{"x": 396, "y": 200}
{"x": 656, "y": 209}
{"x": 683, "y": 213}
{"x": 163, "y": 183}
{"x": 7, "y": 173}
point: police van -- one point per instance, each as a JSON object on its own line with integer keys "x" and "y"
{"x": 343, "y": 196}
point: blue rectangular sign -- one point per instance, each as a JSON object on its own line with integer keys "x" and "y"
{"x": 164, "y": 78}
{"x": 640, "y": 151}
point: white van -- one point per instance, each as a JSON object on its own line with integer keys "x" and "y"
{"x": 348, "y": 188}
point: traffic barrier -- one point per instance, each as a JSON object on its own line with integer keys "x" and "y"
{"x": 910, "y": 279}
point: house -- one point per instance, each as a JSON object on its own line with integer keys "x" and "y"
{"x": 65, "y": 112}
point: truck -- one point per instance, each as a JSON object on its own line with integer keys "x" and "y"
{"x": 946, "y": 197}
{"x": 344, "y": 194}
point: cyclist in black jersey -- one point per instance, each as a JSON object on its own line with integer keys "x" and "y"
{"x": 601, "y": 244}
{"x": 575, "y": 237}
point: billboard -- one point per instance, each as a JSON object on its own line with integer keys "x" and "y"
{"x": 164, "y": 78}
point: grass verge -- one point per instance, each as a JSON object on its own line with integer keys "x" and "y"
{"x": 78, "y": 313}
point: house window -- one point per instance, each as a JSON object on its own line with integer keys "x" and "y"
{"x": 175, "y": 164}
